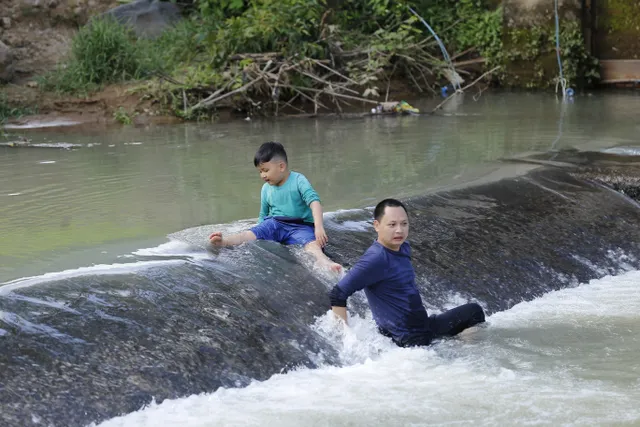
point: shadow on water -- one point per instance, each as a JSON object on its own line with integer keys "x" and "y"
{"x": 83, "y": 347}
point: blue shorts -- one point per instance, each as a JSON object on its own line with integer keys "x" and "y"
{"x": 287, "y": 231}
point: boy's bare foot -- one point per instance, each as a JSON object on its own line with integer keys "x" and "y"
{"x": 216, "y": 238}
{"x": 331, "y": 266}
{"x": 321, "y": 259}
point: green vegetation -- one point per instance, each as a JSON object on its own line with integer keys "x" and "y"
{"x": 467, "y": 24}
{"x": 533, "y": 49}
{"x": 122, "y": 116}
{"x": 580, "y": 68}
{"x": 621, "y": 16}
{"x": 102, "y": 52}
{"x": 264, "y": 55}
{"x": 8, "y": 111}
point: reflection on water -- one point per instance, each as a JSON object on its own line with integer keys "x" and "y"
{"x": 132, "y": 185}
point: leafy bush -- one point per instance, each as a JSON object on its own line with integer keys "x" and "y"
{"x": 285, "y": 26}
{"x": 465, "y": 24}
{"x": 102, "y": 52}
{"x": 8, "y": 111}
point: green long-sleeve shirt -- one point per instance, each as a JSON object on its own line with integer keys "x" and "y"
{"x": 291, "y": 199}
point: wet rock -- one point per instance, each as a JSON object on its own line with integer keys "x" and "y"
{"x": 624, "y": 180}
{"x": 148, "y": 18}
{"x": 6, "y": 63}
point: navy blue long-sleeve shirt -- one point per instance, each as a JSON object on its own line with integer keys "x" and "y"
{"x": 388, "y": 280}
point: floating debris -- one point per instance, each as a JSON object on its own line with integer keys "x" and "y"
{"x": 401, "y": 107}
{"x": 26, "y": 143}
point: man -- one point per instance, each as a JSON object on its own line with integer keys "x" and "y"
{"x": 388, "y": 279}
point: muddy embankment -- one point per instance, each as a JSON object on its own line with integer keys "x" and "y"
{"x": 35, "y": 37}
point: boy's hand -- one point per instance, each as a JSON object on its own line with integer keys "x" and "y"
{"x": 321, "y": 236}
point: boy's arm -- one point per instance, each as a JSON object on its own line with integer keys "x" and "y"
{"x": 307, "y": 192}
{"x": 312, "y": 200}
{"x": 318, "y": 220}
{"x": 264, "y": 205}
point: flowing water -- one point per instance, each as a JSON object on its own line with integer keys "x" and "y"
{"x": 114, "y": 310}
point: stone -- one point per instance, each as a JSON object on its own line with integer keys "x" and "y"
{"x": 5, "y": 22}
{"x": 148, "y": 18}
{"x": 6, "y": 63}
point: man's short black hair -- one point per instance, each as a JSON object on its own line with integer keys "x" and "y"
{"x": 269, "y": 151}
{"x": 378, "y": 212}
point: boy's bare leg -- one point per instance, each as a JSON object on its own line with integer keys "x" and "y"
{"x": 216, "y": 238}
{"x": 315, "y": 249}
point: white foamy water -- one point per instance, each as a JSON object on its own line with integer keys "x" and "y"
{"x": 171, "y": 249}
{"x": 623, "y": 151}
{"x": 100, "y": 269}
{"x": 566, "y": 358}
{"x": 37, "y": 124}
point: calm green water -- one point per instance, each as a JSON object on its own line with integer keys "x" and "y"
{"x": 128, "y": 187}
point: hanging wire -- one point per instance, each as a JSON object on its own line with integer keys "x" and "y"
{"x": 445, "y": 54}
{"x": 562, "y": 82}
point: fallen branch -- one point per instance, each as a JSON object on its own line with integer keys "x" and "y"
{"x": 463, "y": 53}
{"x": 470, "y": 62}
{"x": 413, "y": 79}
{"x": 272, "y": 78}
{"x": 288, "y": 104}
{"x": 315, "y": 102}
{"x": 491, "y": 71}
{"x": 339, "y": 95}
{"x": 464, "y": 88}
{"x": 386, "y": 97}
{"x": 334, "y": 71}
{"x": 184, "y": 101}
{"x": 211, "y": 100}
{"x": 325, "y": 82}
{"x": 256, "y": 56}
{"x": 275, "y": 92}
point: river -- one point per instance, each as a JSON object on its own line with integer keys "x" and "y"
{"x": 111, "y": 301}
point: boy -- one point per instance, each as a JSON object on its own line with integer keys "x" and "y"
{"x": 290, "y": 209}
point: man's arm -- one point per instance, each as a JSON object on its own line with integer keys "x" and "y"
{"x": 367, "y": 271}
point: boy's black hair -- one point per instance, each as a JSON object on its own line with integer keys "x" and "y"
{"x": 378, "y": 212}
{"x": 269, "y": 151}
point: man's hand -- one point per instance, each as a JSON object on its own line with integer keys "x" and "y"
{"x": 321, "y": 236}
{"x": 341, "y": 313}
